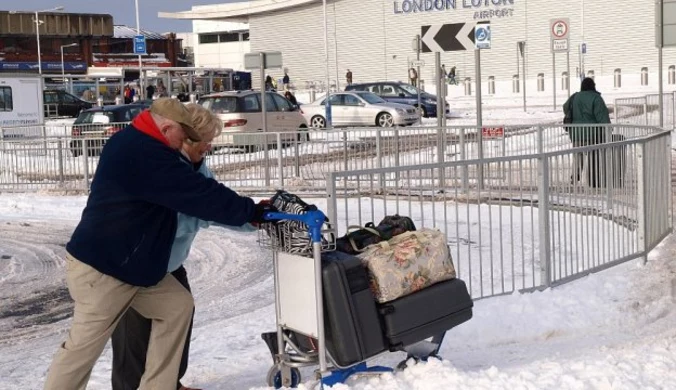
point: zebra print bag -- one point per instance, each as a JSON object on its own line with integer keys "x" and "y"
{"x": 293, "y": 235}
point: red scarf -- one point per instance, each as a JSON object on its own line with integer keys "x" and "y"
{"x": 145, "y": 124}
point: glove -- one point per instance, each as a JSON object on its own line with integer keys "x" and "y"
{"x": 260, "y": 209}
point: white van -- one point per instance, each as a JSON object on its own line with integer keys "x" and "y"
{"x": 21, "y": 106}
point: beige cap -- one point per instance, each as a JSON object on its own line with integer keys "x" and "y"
{"x": 173, "y": 109}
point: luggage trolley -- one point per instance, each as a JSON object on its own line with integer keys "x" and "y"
{"x": 299, "y": 306}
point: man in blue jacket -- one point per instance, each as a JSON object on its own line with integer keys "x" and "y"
{"x": 119, "y": 253}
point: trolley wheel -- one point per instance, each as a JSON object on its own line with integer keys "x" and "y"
{"x": 275, "y": 377}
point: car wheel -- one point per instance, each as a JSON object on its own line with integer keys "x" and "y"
{"x": 303, "y": 135}
{"x": 318, "y": 122}
{"x": 423, "y": 112}
{"x": 385, "y": 119}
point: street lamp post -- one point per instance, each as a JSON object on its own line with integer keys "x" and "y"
{"x": 140, "y": 60}
{"x": 63, "y": 65}
{"x": 37, "y": 22}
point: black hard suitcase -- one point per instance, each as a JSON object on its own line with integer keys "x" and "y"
{"x": 352, "y": 324}
{"x": 597, "y": 170}
{"x": 425, "y": 313}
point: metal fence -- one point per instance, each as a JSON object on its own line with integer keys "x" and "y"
{"x": 552, "y": 214}
{"x": 299, "y": 161}
{"x": 645, "y": 111}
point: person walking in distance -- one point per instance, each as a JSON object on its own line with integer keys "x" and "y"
{"x": 119, "y": 253}
{"x": 586, "y": 107}
{"x": 348, "y": 77}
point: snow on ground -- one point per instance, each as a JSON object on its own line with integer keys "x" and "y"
{"x": 611, "y": 330}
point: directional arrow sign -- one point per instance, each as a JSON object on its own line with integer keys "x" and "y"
{"x": 447, "y": 37}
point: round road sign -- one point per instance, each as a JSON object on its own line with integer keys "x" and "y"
{"x": 559, "y": 29}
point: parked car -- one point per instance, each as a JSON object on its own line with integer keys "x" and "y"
{"x": 100, "y": 123}
{"x": 241, "y": 113}
{"x": 397, "y": 92}
{"x": 62, "y": 103}
{"x": 359, "y": 108}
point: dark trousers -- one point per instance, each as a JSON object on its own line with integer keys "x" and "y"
{"x": 130, "y": 345}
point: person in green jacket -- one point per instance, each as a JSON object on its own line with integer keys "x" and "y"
{"x": 585, "y": 107}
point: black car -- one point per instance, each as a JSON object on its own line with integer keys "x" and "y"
{"x": 100, "y": 123}
{"x": 62, "y": 103}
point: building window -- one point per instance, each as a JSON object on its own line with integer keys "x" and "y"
{"x": 6, "y": 103}
{"x": 208, "y": 38}
{"x": 229, "y": 37}
{"x": 245, "y": 36}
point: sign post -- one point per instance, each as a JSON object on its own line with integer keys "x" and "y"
{"x": 418, "y": 48}
{"x": 665, "y": 36}
{"x": 262, "y": 61}
{"x": 559, "y": 31}
{"x": 522, "y": 50}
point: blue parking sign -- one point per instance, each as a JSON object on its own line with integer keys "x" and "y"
{"x": 139, "y": 44}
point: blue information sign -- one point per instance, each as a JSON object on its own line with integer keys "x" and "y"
{"x": 139, "y": 44}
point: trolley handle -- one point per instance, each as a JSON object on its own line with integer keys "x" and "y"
{"x": 313, "y": 219}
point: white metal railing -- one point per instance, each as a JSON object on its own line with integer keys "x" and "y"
{"x": 644, "y": 110}
{"x": 550, "y": 216}
{"x": 296, "y": 160}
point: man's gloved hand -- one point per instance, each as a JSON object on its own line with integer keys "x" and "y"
{"x": 260, "y": 209}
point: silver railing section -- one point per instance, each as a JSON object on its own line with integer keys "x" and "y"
{"x": 56, "y": 156}
{"x": 644, "y": 110}
{"x": 538, "y": 219}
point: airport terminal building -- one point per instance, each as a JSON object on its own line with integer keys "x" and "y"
{"x": 375, "y": 39}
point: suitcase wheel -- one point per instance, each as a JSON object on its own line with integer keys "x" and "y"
{"x": 275, "y": 377}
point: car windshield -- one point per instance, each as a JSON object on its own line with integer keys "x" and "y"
{"x": 409, "y": 88}
{"x": 221, "y": 105}
{"x": 95, "y": 117}
{"x": 371, "y": 97}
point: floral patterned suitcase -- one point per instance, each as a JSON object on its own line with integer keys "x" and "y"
{"x": 407, "y": 263}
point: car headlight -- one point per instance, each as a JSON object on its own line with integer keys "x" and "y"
{"x": 401, "y": 111}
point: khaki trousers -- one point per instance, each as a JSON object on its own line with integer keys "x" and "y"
{"x": 100, "y": 302}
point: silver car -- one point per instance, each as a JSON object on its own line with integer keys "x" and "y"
{"x": 359, "y": 108}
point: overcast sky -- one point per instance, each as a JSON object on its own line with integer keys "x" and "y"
{"x": 123, "y": 11}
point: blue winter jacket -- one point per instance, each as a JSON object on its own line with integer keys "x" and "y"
{"x": 188, "y": 226}
{"x": 129, "y": 223}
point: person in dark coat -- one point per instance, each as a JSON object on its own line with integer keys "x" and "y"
{"x": 348, "y": 77}
{"x": 291, "y": 98}
{"x": 586, "y": 107}
{"x": 150, "y": 91}
{"x": 118, "y": 255}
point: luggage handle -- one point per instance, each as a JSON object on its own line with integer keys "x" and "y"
{"x": 355, "y": 228}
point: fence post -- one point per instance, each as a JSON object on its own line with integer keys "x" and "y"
{"x": 296, "y": 163}
{"x": 345, "y": 160}
{"x": 332, "y": 201}
{"x": 609, "y": 153}
{"x": 280, "y": 160}
{"x": 673, "y": 112}
{"x": 396, "y": 153}
{"x": 642, "y": 206}
{"x": 543, "y": 212}
{"x": 463, "y": 157}
{"x": 379, "y": 157}
{"x": 645, "y": 112}
{"x": 44, "y": 138}
{"x": 85, "y": 164}
{"x": 615, "y": 109}
{"x": 60, "y": 156}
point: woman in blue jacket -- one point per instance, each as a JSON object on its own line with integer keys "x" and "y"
{"x": 130, "y": 338}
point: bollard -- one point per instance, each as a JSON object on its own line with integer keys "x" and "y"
{"x": 118, "y": 101}
{"x": 422, "y": 85}
{"x": 515, "y": 84}
{"x": 193, "y": 98}
{"x": 541, "y": 82}
{"x": 644, "y": 76}
{"x": 565, "y": 81}
{"x": 672, "y": 75}
{"x": 491, "y": 85}
{"x": 312, "y": 94}
{"x": 468, "y": 86}
{"x": 99, "y": 101}
{"x": 591, "y": 75}
{"x": 617, "y": 80}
